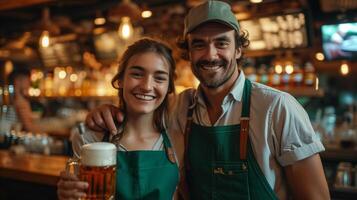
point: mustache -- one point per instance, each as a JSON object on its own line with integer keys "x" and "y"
{"x": 211, "y": 63}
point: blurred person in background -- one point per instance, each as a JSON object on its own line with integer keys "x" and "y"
{"x": 19, "y": 78}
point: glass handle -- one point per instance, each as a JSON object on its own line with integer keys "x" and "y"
{"x": 72, "y": 166}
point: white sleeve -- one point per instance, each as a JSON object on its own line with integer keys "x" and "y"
{"x": 296, "y": 139}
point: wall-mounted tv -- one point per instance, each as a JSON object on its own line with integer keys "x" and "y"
{"x": 339, "y": 41}
{"x": 285, "y": 31}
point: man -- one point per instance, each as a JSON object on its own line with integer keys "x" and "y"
{"x": 245, "y": 140}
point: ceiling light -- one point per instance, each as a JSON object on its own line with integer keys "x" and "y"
{"x": 146, "y": 14}
{"x": 256, "y": 1}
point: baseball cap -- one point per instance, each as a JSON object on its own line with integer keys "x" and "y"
{"x": 216, "y": 11}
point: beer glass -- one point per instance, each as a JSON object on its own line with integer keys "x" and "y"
{"x": 97, "y": 166}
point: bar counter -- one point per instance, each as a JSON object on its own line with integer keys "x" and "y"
{"x": 33, "y": 168}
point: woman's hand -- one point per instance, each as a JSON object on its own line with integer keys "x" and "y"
{"x": 70, "y": 187}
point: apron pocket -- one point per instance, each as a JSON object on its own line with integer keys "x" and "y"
{"x": 230, "y": 180}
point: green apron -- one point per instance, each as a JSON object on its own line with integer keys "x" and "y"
{"x": 220, "y": 163}
{"x": 147, "y": 174}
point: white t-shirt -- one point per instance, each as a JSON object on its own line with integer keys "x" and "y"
{"x": 279, "y": 129}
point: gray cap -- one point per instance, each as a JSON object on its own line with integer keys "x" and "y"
{"x": 216, "y": 11}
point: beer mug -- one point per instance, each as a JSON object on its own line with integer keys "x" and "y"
{"x": 97, "y": 166}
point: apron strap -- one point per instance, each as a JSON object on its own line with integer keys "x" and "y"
{"x": 168, "y": 148}
{"x": 188, "y": 128}
{"x": 244, "y": 120}
{"x": 244, "y": 123}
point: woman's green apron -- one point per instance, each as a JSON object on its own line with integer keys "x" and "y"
{"x": 220, "y": 163}
{"x": 147, "y": 175}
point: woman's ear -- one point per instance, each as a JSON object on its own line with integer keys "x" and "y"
{"x": 120, "y": 84}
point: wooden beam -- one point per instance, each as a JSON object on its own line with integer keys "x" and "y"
{"x": 10, "y": 4}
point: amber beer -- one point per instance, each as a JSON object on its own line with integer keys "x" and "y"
{"x": 97, "y": 166}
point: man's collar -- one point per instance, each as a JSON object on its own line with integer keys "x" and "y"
{"x": 236, "y": 91}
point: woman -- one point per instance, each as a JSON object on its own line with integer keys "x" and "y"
{"x": 144, "y": 81}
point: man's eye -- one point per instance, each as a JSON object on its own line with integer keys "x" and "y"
{"x": 198, "y": 46}
{"x": 222, "y": 44}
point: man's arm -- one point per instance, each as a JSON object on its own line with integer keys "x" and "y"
{"x": 306, "y": 179}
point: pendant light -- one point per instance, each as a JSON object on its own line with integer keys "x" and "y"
{"x": 124, "y": 13}
{"x": 47, "y": 29}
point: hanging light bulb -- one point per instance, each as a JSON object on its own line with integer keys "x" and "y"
{"x": 126, "y": 28}
{"x": 146, "y": 14}
{"x": 344, "y": 69}
{"x": 45, "y": 39}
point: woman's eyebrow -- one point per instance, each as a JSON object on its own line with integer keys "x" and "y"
{"x": 140, "y": 68}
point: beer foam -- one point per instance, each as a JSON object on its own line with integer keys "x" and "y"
{"x": 98, "y": 154}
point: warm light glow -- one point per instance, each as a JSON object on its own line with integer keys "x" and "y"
{"x": 278, "y": 69}
{"x": 317, "y": 83}
{"x": 146, "y": 14}
{"x": 108, "y": 77}
{"x": 35, "y": 92}
{"x": 62, "y": 74}
{"x": 33, "y": 76}
{"x": 100, "y": 90}
{"x": 9, "y": 66}
{"x": 99, "y": 21}
{"x": 73, "y": 77}
{"x": 319, "y": 56}
{"x": 62, "y": 90}
{"x": 289, "y": 69}
{"x": 45, "y": 39}
{"x": 40, "y": 75}
{"x": 256, "y": 1}
{"x": 344, "y": 69}
{"x": 125, "y": 29}
{"x": 78, "y": 92}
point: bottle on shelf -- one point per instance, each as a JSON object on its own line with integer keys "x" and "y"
{"x": 274, "y": 75}
{"x": 286, "y": 76}
{"x": 262, "y": 74}
{"x": 297, "y": 76}
{"x": 251, "y": 73}
{"x": 8, "y": 116}
{"x": 309, "y": 74}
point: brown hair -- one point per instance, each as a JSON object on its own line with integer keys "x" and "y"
{"x": 144, "y": 46}
{"x": 241, "y": 41}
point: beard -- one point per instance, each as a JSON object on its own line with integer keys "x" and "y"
{"x": 213, "y": 79}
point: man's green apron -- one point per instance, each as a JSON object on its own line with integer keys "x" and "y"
{"x": 220, "y": 163}
{"x": 147, "y": 175}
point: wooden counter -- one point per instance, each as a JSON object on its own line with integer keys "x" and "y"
{"x": 33, "y": 168}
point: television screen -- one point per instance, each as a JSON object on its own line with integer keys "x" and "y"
{"x": 339, "y": 41}
{"x": 285, "y": 31}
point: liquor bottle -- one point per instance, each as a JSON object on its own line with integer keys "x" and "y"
{"x": 297, "y": 76}
{"x": 274, "y": 77}
{"x": 287, "y": 74}
{"x": 309, "y": 74}
{"x": 8, "y": 117}
{"x": 250, "y": 73}
{"x": 263, "y": 75}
